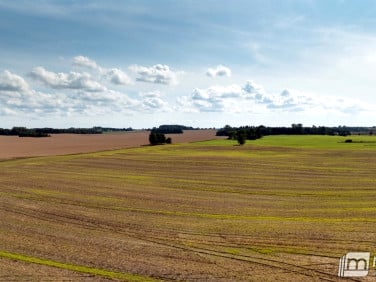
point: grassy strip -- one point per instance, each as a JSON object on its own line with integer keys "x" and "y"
{"x": 305, "y": 141}
{"x": 77, "y": 268}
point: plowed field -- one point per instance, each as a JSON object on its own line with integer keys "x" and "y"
{"x": 61, "y": 144}
{"x": 205, "y": 211}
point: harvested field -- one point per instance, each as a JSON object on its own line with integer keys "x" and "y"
{"x": 62, "y": 144}
{"x": 207, "y": 211}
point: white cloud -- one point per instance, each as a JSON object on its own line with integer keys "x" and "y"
{"x": 118, "y": 77}
{"x": 7, "y": 112}
{"x": 63, "y": 103}
{"x": 79, "y": 94}
{"x": 213, "y": 99}
{"x": 251, "y": 96}
{"x": 153, "y": 101}
{"x": 114, "y": 75}
{"x": 71, "y": 80}
{"x": 91, "y": 91}
{"x": 12, "y": 82}
{"x": 219, "y": 70}
{"x": 160, "y": 74}
{"x": 82, "y": 61}
{"x": 31, "y": 101}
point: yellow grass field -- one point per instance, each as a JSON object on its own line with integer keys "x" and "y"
{"x": 276, "y": 209}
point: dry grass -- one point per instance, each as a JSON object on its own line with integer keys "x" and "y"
{"x": 204, "y": 211}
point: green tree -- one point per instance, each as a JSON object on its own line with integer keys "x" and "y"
{"x": 153, "y": 139}
{"x": 161, "y": 138}
{"x": 241, "y": 137}
{"x": 157, "y": 138}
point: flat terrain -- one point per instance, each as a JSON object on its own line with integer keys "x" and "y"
{"x": 62, "y": 144}
{"x": 276, "y": 209}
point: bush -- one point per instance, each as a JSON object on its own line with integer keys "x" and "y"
{"x": 348, "y": 140}
{"x": 158, "y": 139}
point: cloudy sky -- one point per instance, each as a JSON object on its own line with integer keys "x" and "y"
{"x": 199, "y": 63}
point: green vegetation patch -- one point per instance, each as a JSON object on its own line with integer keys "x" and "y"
{"x": 77, "y": 268}
{"x": 304, "y": 141}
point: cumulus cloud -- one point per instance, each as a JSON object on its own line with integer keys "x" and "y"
{"x": 118, "y": 77}
{"x": 82, "y": 61}
{"x": 71, "y": 80}
{"x": 114, "y": 75}
{"x": 78, "y": 94}
{"x": 153, "y": 101}
{"x": 292, "y": 100}
{"x": 63, "y": 103}
{"x": 213, "y": 99}
{"x": 12, "y": 82}
{"x": 30, "y": 101}
{"x": 160, "y": 74}
{"x": 257, "y": 93}
{"x": 84, "y": 92}
{"x": 236, "y": 98}
{"x": 219, "y": 70}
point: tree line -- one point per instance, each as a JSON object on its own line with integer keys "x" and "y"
{"x": 45, "y": 132}
{"x": 171, "y": 129}
{"x": 255, "y": 132}
{"x": 243, "y": 133}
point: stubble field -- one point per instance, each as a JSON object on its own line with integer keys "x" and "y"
{"x": 277, "y": 209}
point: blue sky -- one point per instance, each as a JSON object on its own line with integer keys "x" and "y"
{"x": 199, "y": 63}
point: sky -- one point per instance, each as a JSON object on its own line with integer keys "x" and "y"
{"x": 201, "y": 63}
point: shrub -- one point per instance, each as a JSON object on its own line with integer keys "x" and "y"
{"x": 158, "y": 139}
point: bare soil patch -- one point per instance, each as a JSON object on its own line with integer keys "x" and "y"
{"x": 62, "y": 144}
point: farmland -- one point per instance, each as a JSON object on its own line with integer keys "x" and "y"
{"x": 281, "y": 208}
{"x": 61, "y": 144}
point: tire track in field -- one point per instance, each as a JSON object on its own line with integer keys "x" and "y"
{"x": 76, "y": 268}
{"x": 96, "y": 223}
{"x": 221, "y": 235}
{"x": 92, "y": 224}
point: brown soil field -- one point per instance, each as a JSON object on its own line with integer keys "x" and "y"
{"x": 62, "y": 144}
{"x": 210, "y": 211}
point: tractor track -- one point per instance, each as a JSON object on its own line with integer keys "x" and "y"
{"x": 94, "y": 224}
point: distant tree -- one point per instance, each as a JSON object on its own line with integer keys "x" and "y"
{"x": 232, "y": 135}
{"x": 153, "y": 139}
{"x": 227, "y": 131}
{"x": 241, "y": 137}
{"x": 297, "y": 128}
{"x": 158, "y": 138}
{"x": 251, "y": 134}
{"x": 161, "y": 138}
{"x": 171, "y": 129}
{"x": 168, "y": 140}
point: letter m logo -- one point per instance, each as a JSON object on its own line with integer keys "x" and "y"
{"x": 354, "y": 264}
